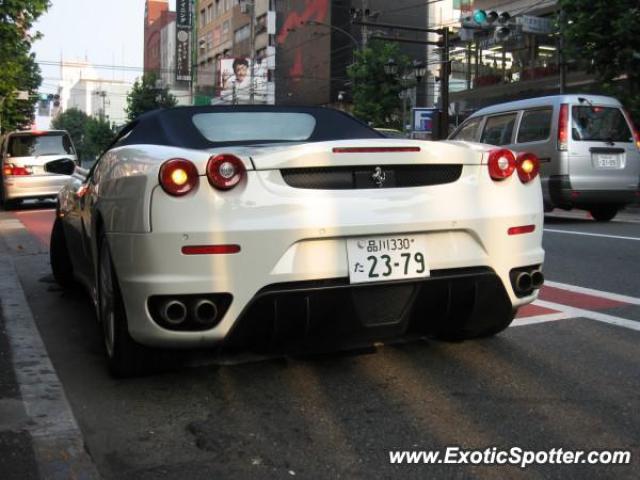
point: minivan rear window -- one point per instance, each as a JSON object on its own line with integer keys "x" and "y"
{"x": 33, "y": 145}
{"x": 604, "y": 124}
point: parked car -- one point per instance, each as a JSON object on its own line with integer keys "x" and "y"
{"x": 297, "y": 228}
{"x": 35, "y": 164}
{"x": 587, "y": 145}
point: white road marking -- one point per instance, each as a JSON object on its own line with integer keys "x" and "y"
{"x": 547, "y": 317}
{"x": 10, "y": 223}
{"x": 600, "y": 317}
{"x": 596, "y": 293}
{"x": 571, "y": 232}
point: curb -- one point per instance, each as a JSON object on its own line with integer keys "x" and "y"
{"x": 57, "y": 441}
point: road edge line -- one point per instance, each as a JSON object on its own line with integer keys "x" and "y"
{"x": 593, "y": 292}
{"x": 591, "y": 315}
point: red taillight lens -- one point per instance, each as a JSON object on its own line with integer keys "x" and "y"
{"x": 528, "y": 166}
{"x": 374, "y": 149}
{"x": 178, "y": 176}
{"x": 12, "y": 170}
{"x": 521, "y": 229}
{"x": 563, "y": 127}
{"x": 634, "y": 132}
{"x": 210, "y": 249}
{"x": 225, "y": 171}
{"x": 502, "y": 163}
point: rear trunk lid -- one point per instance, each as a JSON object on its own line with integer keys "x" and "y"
{"x": 603, "y": 154}
{"x": 368, "y": 152}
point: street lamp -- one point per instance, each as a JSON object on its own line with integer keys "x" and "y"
{"x": 391, "y": 67}
{"x": 419, "y": 70}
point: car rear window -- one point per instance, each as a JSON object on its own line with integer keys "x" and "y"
{"x": 255, "y": 126}
{"x": 605, "y": 124}
{"x": 32, "y": 145}
{"x": 498, "y": 130}
{"x": 535, "y": 125}
{"x": 468, "y": 131}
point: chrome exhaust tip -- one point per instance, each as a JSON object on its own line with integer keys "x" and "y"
{"x": 205, "y": 312}
{"x": 174, "y": 312}
{"x": 523, "y": 282}
{"x": 537, "y": 279}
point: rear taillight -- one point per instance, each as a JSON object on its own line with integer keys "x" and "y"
{"x": 10, "y": 170}
{"x": 563, "y": 127}
{"x": 634, "y": 132}
{"x": 502, "y": 163}
{"x": 178, "y": 176}
{"x": 225, "y": 171}
{"x": 528, "y": 166}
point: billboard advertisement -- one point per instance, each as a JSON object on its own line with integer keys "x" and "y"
{"x": 426, "y": 120}
{"x": 303, "y": 52}
{"x": 234, "y": 81}
{"x": 183, "y": 40}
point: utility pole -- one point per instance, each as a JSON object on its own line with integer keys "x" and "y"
{"x": 444, "y": 83}
{"x": 561, "y": 58}
{"x": 250, "y": 9}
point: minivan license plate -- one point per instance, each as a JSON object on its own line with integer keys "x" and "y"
{"x": 377, "y": 259}
{"x": 607, "y": 161}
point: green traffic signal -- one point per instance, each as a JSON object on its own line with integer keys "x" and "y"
{"x": 479, "y": 16}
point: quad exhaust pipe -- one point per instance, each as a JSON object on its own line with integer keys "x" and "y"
{"x": 205, "y": 312}
{"x": 526, "y": 281}
{"x": 173, "y": 312}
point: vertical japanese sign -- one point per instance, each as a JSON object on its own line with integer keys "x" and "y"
{"x": 183, "y": 40}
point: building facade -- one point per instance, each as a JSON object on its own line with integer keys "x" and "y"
{"x": 100, "y": 98}
{"x": 157, "y": 15}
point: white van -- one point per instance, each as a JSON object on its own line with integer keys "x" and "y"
{"x": 588, "y": 148}
{"x": 35, "y": 164}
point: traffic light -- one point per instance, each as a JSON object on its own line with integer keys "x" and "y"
{"x": 483, "y": 20}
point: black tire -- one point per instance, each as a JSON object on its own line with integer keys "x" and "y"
{"x": 126, "y": 357}
{"x": 61, "y": 265}
{"x": 604, "y": 213}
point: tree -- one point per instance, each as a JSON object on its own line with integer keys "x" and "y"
{"x": 375, "y": 94}
{"x": 605, "y": 34}
{"x": 90, "y": 135}
{"x": 19, "y": 69}
{"x": 73, "y": 121}
{"x": 146, "y": 96}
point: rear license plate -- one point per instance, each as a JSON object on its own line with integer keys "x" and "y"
{"x": 376, "y": 259}
{"x": 607, "y": 160}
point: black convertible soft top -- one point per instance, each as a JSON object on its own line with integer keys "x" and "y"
{"x": 175, "y": 127}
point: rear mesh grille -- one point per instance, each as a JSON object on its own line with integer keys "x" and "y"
{"x": 347, "y": 178}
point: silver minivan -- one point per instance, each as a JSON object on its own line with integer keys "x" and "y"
{"x": 588, "y": 148}
{"x": 35, "y": 164}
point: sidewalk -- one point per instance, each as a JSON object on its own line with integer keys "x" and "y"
{"x": 39, "y": 436}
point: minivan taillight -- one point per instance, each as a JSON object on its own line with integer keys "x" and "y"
{"x": 178, "y": 176}
{"x": 502, "y": 163}
{"x": 225, "y": 171}
{"x": 634, "y": 132}
{"x": 563, "y": 127}
{"x": 10, "y": 170}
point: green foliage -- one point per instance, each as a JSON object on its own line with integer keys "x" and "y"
{"x": 375, "y": 94}
{"x": 605, "y": 35}
{"x": 19, "y": 71}
{"x": 145, "y": 96}
{"x": 90, "y": 135}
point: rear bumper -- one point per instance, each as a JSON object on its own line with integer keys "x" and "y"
{"x": 33, "y": 186}
{"x": 564, "y": 196}
{"x": 291, "y": 236}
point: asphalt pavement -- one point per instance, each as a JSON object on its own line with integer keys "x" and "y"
{"x": 564, "y": 376}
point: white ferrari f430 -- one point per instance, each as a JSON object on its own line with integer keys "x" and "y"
{"x": 295, "y": 228}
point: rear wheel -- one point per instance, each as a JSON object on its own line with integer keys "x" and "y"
{"x": 126, "y": 357}
{"x": 7, "y": 203}
{"x": 61, "y": 265}
{"x": 604, "y": 213}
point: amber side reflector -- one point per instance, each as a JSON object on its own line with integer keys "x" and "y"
{"x": 521, "y": 229}
{"x": 374, "y": 149}
{"x": 210, "y": 249}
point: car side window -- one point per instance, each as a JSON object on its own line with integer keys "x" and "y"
{"x": 535, "y": 125}
{"x": 498, "y": 129}
{"x": 469, "y": 130}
